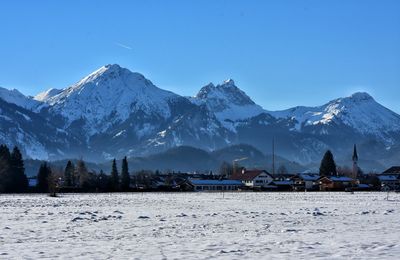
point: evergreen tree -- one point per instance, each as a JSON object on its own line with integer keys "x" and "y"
{"x": 226, "y": 169}
{"x": 81, "y": 174}
{"x": 282, "y": 170}
{"x": 43, "y": 178}
{"x": 18, "y": 177}
{"x": 5, "y": 169}
{"x": 114, "y": 176}
{"x": 328, "y": 165}
{"x": 68, "y": 174}
{"x": 125, "y": 178}
{"x": 103, "y": 182}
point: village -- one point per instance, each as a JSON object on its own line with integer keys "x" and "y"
{"x": 78, "y": 178}
{"x": 331, "y": 180}
{"x": 261, "y": 180}
{"x": 242, "y": 179}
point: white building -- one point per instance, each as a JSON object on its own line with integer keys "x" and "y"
{"x": 254, "y": 178}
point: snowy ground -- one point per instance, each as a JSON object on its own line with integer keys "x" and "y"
{"x": 201, "y": 226}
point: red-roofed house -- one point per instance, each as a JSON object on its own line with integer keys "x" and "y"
{"x": 253, "y": 178}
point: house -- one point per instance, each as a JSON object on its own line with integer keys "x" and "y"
{"x": 306, "y": 181}
{"x": 335, "y": 183}
{"x": 390, "y": 179}
{"x": 253, "y": 178}
{"x": 394, "y": 170}
{"x": 283, "y": 185}
{"x": 214, "y": 185}
{"x": 389, "y": 182}
{"x": 363, "y": 187}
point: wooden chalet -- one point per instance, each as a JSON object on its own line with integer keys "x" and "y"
{"x": 306, "y": 181}
{"x": 336, "y": 183}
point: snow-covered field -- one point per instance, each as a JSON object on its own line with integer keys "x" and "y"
{"x": 201, "y": 226}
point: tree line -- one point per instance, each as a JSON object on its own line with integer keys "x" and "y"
{"x": 12, "y": 171}
{"x": 74, "y": 177}
{"x": 78, "y": 178}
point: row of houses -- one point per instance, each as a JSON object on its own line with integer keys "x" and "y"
{"x": 262, "y": 180}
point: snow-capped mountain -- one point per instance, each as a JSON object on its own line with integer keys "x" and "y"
{"x": 107, "y": 97}
{"x": 359, "y": 112}
{"x": 227, "y": 102}
{"x": 15, "y": 97}
{"x": 44, "y": 96}
{"x": 114, "y": 112}
{"x": 36, "y": 136}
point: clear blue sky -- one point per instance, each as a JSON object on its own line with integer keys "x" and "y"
{"x": 282, "y": 53}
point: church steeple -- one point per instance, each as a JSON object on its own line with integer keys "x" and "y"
{"x": 355, "y": 155}
{"x": 355, "y": 162}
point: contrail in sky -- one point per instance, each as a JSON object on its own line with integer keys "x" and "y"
{"x": 123, "y": 46}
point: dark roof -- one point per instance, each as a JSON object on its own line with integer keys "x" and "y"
{"x": 340, "y": 179}
{"x": 283, "y": 183}
{"x": 248, "y": 175}
{"x": 215, "y": 182}
{"x": 337, "y": 178}
{"x": 392, "y": 170}
{"x": 308, "y": 177}
{"x": 387, "y": 178}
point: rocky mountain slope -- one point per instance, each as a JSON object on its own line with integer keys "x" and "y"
{"x": 115, "y": 112}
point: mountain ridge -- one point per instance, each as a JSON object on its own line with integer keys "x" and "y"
{"x": 113, "y": 112}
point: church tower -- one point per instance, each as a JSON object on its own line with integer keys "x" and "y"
{"x": 355, "y": 162}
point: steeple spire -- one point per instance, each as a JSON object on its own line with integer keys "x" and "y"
{"x": 355, "y": 155}
{"x": 355, "y": 162}
{"x": 273, "y": 156}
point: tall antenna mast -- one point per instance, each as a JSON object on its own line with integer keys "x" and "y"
{"x": 273, "y": 156}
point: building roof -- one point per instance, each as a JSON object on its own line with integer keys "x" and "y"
{"x": 248, "y": 175}
{"x": 215, "y": 182}
{"x": 338, "y": 178}
{"x": 32, "y": 182}
{"x": 308, "y": 177}
{"x": 282, "y": 183}
{"x": 387, "y": 178}
{"x": 392, "y": 170}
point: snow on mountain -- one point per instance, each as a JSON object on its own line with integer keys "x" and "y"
{"x": 34, "y": 135}
{"x": 228, "y": 102}
{"x": 44, "y": 96}
{"x": 359, "y": 111}
{"x": 116, "y": 112}
{"x": 15, "y": 97}
{"x": 108, "y": 96}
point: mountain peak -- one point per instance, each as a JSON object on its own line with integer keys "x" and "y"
{"x": 109, "y": 71}
{"x": 15, "y": 97}
{"x": 227, "y": 101}
{"x": 361, "y": 96}
{"x": 229, "y": 83}
{"x": 109, "y": 95}
{"x": 227, "y": 91}
{"x": 112, "y": 66}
